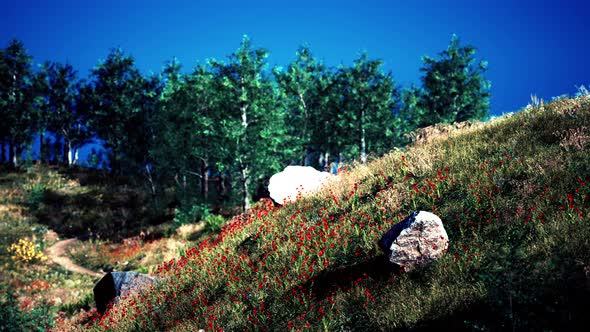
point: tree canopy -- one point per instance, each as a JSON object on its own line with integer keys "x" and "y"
{"x": 229, "y": 124}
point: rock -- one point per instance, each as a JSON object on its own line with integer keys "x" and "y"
{"x": 416, "y": 241}
{"x": 118, "y": 284}
{"x": 294, "y": 182}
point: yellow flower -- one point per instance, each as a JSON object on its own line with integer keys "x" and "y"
{"x": 25, "y": 251}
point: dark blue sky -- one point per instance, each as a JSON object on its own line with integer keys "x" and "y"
{"x": 538, "y": 47}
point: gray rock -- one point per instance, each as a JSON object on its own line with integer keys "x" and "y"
{"x": 416, "y": 241}
{"x": 115, "y": 285}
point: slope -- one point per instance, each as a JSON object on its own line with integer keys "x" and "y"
{"x": 512, "y": 193}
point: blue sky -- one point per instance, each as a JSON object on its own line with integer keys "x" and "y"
{"x": 535, "y": 47}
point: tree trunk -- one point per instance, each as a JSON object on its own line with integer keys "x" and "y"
{"x": 245, "y": 177}
{"x": 151, "y": 180}
{"x": 222, "y": 186}
{"x": 244, "y": 169}
{"x": 42, "y": 147}
{"x": 205, "y": 180}
{"x": 363, "y": 145}
{"x": 304, "y": 130}
{"x": 70, "y": 154}
{"x": 14, "y": 155}
{"x": 2, "y": 152}
{"x": 11, "y": 152}
{"x": 75, "y": 160}
{"x": 65, "y": 153}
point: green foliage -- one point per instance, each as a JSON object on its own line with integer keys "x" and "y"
{"x": 304, "y": 86}
{"x": 254, "y": 123}
{"x": 120, "y": 99}
{"x": 65, "y": 109}
{"x": 191, "y": 214}
{"x": 230, "y": 119}
{"x": 213, "y": 223}
{"x": 188, "y": 142}
{"x": 18, "y": 97}
{"x": 14, "y": 319}
{"x": 368, "y": 98}
{"x": 35, "y": 195}
{"x": 454, "y": 86}
{"x": 83, "y": 304}
{"x": 10, "y": 314}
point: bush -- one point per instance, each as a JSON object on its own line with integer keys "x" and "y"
{"x": 195, "y": 212}
{"x": 26, "y": 251}
{"x": 73, "y": 308}
{"x": 10, "y": 314}
{"x": 14, "y": 319}
{"x": 35, "y": 195}
{"x": 213, "y": 223}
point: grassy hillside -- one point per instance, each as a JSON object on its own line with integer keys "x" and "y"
{"x": 512, "y": 193}
{"x": 513, "y": 196}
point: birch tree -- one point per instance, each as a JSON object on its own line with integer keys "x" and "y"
{"x": 369, "y": 98}
{"x": 117, "y": 96}
{"x": 66, "y": 110}
{"x": 302, "y": 85}
{"x": 18, "y": 98}
{"x": 254, "y": 119}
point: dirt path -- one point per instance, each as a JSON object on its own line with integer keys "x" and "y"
{"x": 56, "y": 253}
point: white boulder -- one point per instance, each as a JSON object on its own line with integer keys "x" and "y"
{"x": 294, "y": 182}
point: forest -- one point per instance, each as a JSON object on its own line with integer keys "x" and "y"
{"x": 215, "y": 133}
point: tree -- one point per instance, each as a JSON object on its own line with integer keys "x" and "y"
{"x": 412, "y": 114}
{"x": 369, "y": 97}
{"x": 188, "y": 143}
{"x": 66, "y": 109}
{"x": 302, "y": 87}
{"x": 118, "y": 91}
{"x": 454, "y": 87}
{"x": 254, "y": 122}
{"x": 18, "y": 98}
{"x": 4, "y": 125}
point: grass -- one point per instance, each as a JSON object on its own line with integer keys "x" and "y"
{"x": 513, "y": 196}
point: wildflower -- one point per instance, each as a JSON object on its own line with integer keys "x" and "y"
{"x": 25, "y": 251}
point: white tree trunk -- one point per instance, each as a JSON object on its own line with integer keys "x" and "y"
{"x": 244, "y": 169}
{"x": 75, "y": 156}
{"x": 245, "y": 185}
{"x": 363, "y": 139}
{"x": 14, "y": 156}
{"x": 70, "y": 154}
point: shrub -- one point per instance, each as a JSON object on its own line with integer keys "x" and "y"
{"x": 35, "y": 195}
{"x": 195, "y": 212}
{"x": 14, "y": 319}
{"x": 25, "y": 251}
{"x": 213, "y": 223}
{"x": 10, "y": 314}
